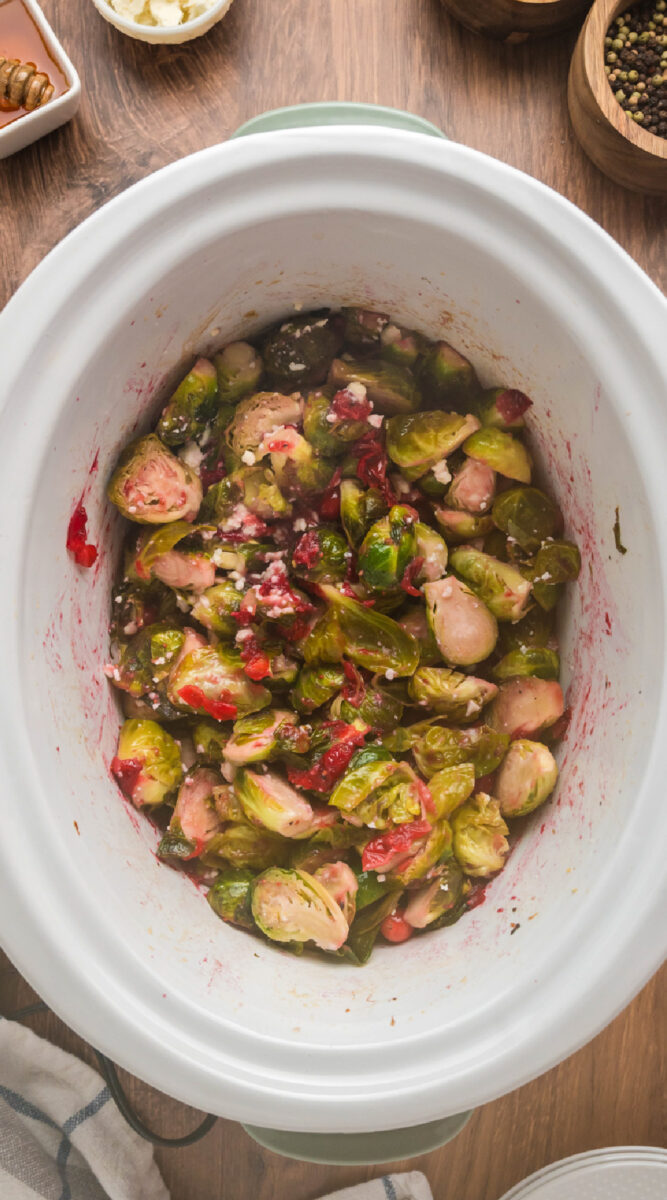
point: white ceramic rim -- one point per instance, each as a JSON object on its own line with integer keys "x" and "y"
{"x": 258, "y": 1079}
{"x": 69, "y": 99}
{"x": 164, "y": 33}
{"x": 577, "y": 1165}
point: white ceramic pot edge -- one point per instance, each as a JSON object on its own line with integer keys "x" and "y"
{"x": 199, "y": 1089}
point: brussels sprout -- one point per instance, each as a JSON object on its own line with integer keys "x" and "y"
{"x": 378, "y": 708}
{"x": 378, "y": 790}
{"x": 555, "y": 563}
{"x": 194, "y": 816}
{"x": 154, "y": 707}
{"x": 315, "y": 686}
{"x": 151, "y": 486}
{"x": 439, "y": 747}
{"x": 229, "y": 897}
{"x": 432, "y": 548}
{"x": 534, "y": 630}
{"x": 242, "y": 557}
{"x": 359, "y": 508}
{"x": 418, "y": 441}
{"x": 390, "y": 389}
{"x": 147, "y": 765}
{"x": 136, "y": 604}
{"x": 501, "y": 586}
{"x": 260, "y": 493}
{"x": 328, "y": 432}
{"x": 464, "y": 628}
{"x": 473, "y": 487}
{"x": 446, "y": 377}
{"x": 214, "y": 608}
{"x": 414, "y": 622}
{"x": 435, "y": 851}
{"x": 388, "y": 548}
{"x": 527, "y": 776}
{"x": 461, "y": 526}
{"x": 501, "y": 452}
{"x": 256, "y": 737}
{"x": 450, "y": 693}
{"x": 157, "y": 556}
{"x": 428, "y": 905}
{"x": 368, "y": 769}
{"x": 341, "y": 883}
{"x": 209, "y": 741}
{"x": 321, "y": 556}
{"x": 451, "y": 787}
{"x": 269, "y": 801}
{"x": 246, "y": 847}
{"x": 193, "y": 404}
{"x": 239, "y": 369}
{"x": 362, "y": 328}
{"x": 211, "y": 680}
{"x": 369, "y": 639}
{"x": 480, "y": 844}
{"x": 301, "y": 351}
{"x": 258, "y": 415}
{"x": 298, "y": 469}
{"x": 434, "y": 483}
{"x": 532, "y": 660}
{"x": 528, "y": 516}
{"x": 524, "y": 707}
{"x": 503, "y": 408}
{"x": 292, "y": 906}
{"x": 400, "y": 346}
{"x": 147, "y": 659}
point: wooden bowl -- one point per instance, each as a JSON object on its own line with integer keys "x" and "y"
{"x": 516, "y": 20}
{"x": 625, "y": 152}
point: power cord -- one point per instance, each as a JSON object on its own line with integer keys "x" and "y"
{"x": 110, "y": 1074}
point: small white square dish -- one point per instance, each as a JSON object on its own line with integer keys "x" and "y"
{"x": 27, "y": 37}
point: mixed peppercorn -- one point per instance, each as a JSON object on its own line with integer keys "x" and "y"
{"x": 636, "y": 64}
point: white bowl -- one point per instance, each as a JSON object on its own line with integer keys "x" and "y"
{"x": 43, "y": 120}
{"x": 165, "y": 34}
{"x": 126, "y": 950}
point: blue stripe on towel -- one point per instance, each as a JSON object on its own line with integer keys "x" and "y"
{"x": 70, "y": 1125}
{"x": 390, "y": 1190}
{"x": 24, "y": 1108}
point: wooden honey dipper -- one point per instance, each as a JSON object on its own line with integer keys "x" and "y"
{"x": 22, "y": 85}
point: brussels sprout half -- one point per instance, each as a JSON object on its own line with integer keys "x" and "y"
{"x": 239, "y": 369}
{"x": 389, "y": 388}
{"x": 321, "y": 556}
{"x": 151, "y": 486}
{"x": 500, "y": 451}
{"x": 531, "y": 660}
{"x": 451, "y": 787}
{"x": 524, "y": 707}
{"x": 210, "y": 680}
{"x": 418, "y": 441}
{"x": 229, "y": 897}
{"x": 464, "y": 628}
{"x": 301, "y": 351}
{"x": 341, "y": 883}
{"x": 368, "y": 638}
{"x": 260, "y": 414}
{"x": 480, "y": 844}
{"x": 270, "y": 802}
{"x": 499, "y": 585}
{"x": 528, "y": 516}
{"x": 439, "y": 747}
{"x": 359, "y": 508}
{"x": 292, "y": 906}
{"x": 147, "y": 765}
{"x": 191, "y": 407}
{"x": 526, "y": 778}
{"x": 429, "y": 904}
{"x": 450, "y": 693}
{"x": 388, "y": 548}
{"x": 256, "y": 737}
{"x": 446, "y": 377}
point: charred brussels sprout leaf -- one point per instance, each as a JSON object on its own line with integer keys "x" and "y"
{"x": 301, "y": 351}
{"x": 292, "y": 906}
{"x": 450, "y": 693}
{"x": 418, "y": 441}
{"x": 315, "y": 686}
{"x": 446, "y": 377}
{"x": 239, "y": 370}
{"x": 526, "y": 778}
{"x": 192, "y": 406}
{"x": 480, "y": 842}
{"x": 532, "y": 660}
{"x": 151, "y": 486}
{"x": 528, "y": 516}
{"x": 230, "y": 897}
{"x": 464, "y": 628}
{"x": 500, "y": 451}
{"x": 499, "y": 585}
{"x": 390, "y": 389}
{"x": 320, "y": 556}
{"x": 370, "y": 639}
{"x": 427, "y": 906}
{"x": 147, "y": 765}
{"x": 359, "y": 508}
{"x": 388, "y": 548}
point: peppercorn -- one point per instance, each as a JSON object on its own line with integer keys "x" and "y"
{"x": 636, "y": 58}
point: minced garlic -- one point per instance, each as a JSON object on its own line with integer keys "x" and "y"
{"x": 161, "y": 12}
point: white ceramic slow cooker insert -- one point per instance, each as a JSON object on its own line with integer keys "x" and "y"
{"x": 125, "y": 949}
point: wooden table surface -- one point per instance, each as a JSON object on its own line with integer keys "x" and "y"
{"x": 145, "y": 106}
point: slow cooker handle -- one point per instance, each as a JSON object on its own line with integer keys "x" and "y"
{"x": 336, "y": 112}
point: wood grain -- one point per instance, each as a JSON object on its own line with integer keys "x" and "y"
{"x": 617, "y": 145}
{"x": 516, "y": 20}
{"x": 145, "y": 106}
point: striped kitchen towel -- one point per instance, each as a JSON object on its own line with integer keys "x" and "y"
{"x": 61, "y": 1135}
{"x": 411, "y": 1186}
